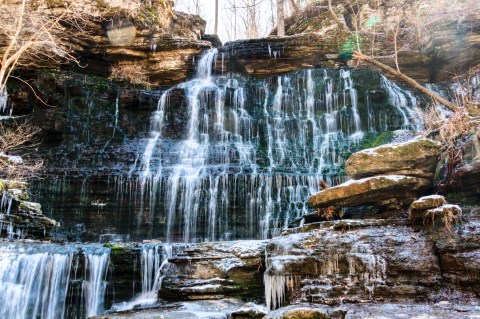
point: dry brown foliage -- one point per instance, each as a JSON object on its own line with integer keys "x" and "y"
{"x": 330, "y": 213}
{"x": 132, "y": 73}
{"x": 20, "y": 139}
{"x": 34, "y": 32}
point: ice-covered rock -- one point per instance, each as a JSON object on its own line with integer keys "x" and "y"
{"x": 384, "y": 190}
{"x": 428, "y": 202}
{"x": 215, "y": 271}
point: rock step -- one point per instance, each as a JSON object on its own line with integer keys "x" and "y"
{"x": 385, "y": 190}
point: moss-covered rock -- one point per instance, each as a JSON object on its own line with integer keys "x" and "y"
{"x": 22, "y": 218}
{"x": 413, "y": 158}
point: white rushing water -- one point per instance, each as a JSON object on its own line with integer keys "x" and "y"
{"x": 154, "y": 261}
{"x": 225, "y": 154}
{"x": 34, "y": 280}
{"x": 33, "y": 285}
{"x": 3, "y": 100}
{"x": 94, "y": 285}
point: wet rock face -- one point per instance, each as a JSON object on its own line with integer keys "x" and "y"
{"x": 413, "y": 158}
{"x": 332, "y": 266}
{"x": 216, "y": 271}
{"x": 459, "y": 250}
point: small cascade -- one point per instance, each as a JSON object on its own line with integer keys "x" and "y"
{"x": 33, "y": 283}
{"x": 6, "y": 223}
{"x": 96, "y": 264}
{"x": 405, "y": 103}
{"x": 3, "y": 100}
{"x": 254, "y": 149}
{"x": 6, "y": 226}
{"x": 35, "y": 279}
{"x": 154, "y": 260}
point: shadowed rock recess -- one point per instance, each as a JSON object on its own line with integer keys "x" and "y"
{"x": 266, "y": 180}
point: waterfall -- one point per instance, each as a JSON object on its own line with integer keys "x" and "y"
{"x": 405, "y": 103}
{"x": 35, "y": 279}
{"x": 33, "y": 284}
{"x": 94, "y": 286}
{"x": 226, "y": 152}
{"x": 154, "y": 259}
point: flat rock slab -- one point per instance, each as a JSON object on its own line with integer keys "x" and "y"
{"x": 428, "y": 202}
{"x": 413, "y": 158}
{"x": 371, "y": 190}
{"x": 441, "y": 310}
{"x": 215, "y": 309}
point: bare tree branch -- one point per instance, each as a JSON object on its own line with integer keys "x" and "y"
{"x": 403, "y": 77}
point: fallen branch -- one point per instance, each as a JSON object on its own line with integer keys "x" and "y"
{"x": 410, "y": 81}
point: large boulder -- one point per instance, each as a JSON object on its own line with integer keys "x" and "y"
{"x": 378, "y": 190}
{"x": 413, "y": 158}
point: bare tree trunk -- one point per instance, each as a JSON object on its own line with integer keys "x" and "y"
{"x": 293, "y": 6}
{"x": 197, "y": 7}
{"x": 334, "y": 15}
{"x": 272, "y": 7}
{"x": 215, "y": 28}
{"x": 280, "y": 18}
{"x": 407, "y": 79}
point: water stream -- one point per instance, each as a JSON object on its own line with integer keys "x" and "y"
{"x": 35, "y": 279}
{"x": 225, "y": 157}
{"x": 246, "y": 154}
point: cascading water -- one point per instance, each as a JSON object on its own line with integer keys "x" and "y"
{"x": 3, "y": 100}
{"x": 35, "y": 279}
{"x": 94, "y": 286}
{"x": 154, "y": 260}
{"x": 228, "y": 156}
{"x": 33, "y": 283}
{"x": 405, "y": 103}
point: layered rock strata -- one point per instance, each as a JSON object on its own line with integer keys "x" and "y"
{"x": 20, "y": 218}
